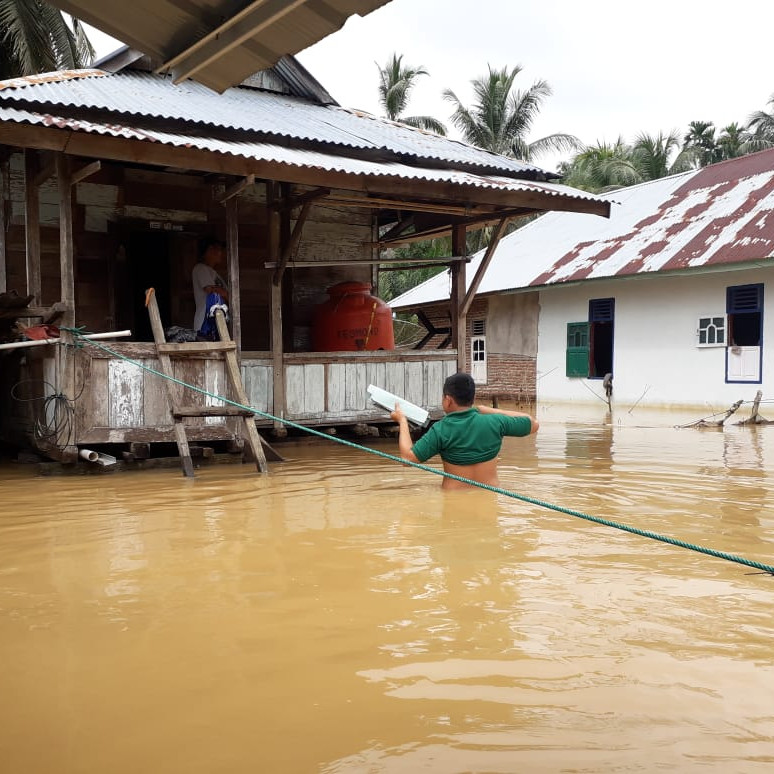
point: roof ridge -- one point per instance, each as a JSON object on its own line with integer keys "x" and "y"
{"x": 55, "y": 76}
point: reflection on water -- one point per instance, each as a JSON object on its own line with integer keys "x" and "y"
{"x": 345, "y": 615}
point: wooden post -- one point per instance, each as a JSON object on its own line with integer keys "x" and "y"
{"x": 5, "y": 206}
{"x": 32, "y": 225}
{"x": 66, "y": 253}
{"x": 232, "y": 239}
{"x": 67, "y": 281}
{"x": 484, "y": 265}
{"x": 457, "y": 300}
{"x": 278, "y": 365}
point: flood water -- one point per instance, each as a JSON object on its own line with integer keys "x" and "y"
{"x": 344, "y": 615}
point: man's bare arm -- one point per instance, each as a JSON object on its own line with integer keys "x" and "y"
{"x": 489, "y": 410}
{"x": 404, "y": 436}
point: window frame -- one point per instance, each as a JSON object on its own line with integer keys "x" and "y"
{"x": 715, "y": 344}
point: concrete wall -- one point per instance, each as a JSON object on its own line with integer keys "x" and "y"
{"x": 512, "y": 324}
{"x": 656, "y": 360}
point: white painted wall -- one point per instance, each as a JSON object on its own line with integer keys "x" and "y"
{"x": 654, "y": 350}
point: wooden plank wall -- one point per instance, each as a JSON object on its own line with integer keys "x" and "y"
{"x": 334, "y": 391}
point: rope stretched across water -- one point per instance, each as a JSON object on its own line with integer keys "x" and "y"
{"x": 765, "y": 568}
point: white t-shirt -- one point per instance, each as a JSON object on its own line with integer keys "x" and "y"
{"x": 203, "y": 276}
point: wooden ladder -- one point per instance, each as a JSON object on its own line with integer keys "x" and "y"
{"x": 166, "y": 351}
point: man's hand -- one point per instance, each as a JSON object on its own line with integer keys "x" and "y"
{"x": 404, "y": 436}
{"x": 397, "y": 414}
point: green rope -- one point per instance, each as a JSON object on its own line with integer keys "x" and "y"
{"x": 765, "y": 568}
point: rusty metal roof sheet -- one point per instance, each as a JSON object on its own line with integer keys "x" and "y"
{"x": 285, "y": 119}
{"x": 295, "y": 157}
{"x": 218, "y": 42}
{"x": 717, "y": 216}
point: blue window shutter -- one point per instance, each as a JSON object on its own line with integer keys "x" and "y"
{"x": 744, "y": 298}
{"x": 601, "y": 309}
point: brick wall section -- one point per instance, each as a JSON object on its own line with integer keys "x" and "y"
{"x": 510, "y": 377}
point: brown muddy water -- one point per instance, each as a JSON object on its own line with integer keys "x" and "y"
{"x": 344, "y": 615}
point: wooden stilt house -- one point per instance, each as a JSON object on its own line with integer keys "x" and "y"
{"x": 109, "y": 178}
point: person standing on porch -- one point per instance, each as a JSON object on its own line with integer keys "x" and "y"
{"x": 205, "y": 277}
{"x": 468, "y": 438}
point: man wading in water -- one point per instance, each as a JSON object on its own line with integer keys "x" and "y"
{"x": 468, "y": 438}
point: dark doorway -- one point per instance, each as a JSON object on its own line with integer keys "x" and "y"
{"x": 601, "y": 319}
{"x": 148, "y": 264}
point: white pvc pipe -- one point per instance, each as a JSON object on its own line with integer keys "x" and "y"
{"x": 99, "y": 457}
{"x": 40, "y": 342}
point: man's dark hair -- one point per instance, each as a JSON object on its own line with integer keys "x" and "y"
{"x": 461, "y": 388}
{"x": 205, "y": 243}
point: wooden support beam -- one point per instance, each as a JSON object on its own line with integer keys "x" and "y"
{"x": 278, "y": 366}
{"x": 32, "y": 225}
{"x": 298, "y": 201}
{"x": 196, "y": 348}
{"x": 66, "y": 253}
{"x": 210, "y": 411}
{"x": 484, "y": 265}
{"x": 5, "y": 207}
{"x": 87, "y": 170}
{"x": 232, "y": 244}
{"x": 491, "y": 219}
{"x": 374, "y": 202}
{"x": 397, "y": 229}
{"x": 458, "y": 314}
{"x": 45, "y": 172}
{"x": 235, "y": 30}
{"x": 292, "y": 243}
{"x": 367, "y": 261}
{"x": 236, "y": 188}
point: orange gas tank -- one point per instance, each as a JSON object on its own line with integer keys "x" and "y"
{"x": 352, "y": 319}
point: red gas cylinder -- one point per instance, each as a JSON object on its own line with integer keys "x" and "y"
{"x": 352, "y": 319}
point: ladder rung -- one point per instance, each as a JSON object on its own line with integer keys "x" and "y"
{"x": 195, "y": 347}
{"x": 210, "y": 411}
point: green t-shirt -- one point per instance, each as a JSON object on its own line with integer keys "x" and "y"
{"x": 467, "y": 437}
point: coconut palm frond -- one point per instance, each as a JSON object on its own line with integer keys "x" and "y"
{"x": 25, "y": 38}
{"x": 36, "y": 38}
{"x": 553, "y": 143}
{"x": 471, "y": 128}
{"x": 428, "y": 123}
{"x": 395, "y": 85}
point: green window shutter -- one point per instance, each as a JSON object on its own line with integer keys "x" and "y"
{"x": 578, "y": 349}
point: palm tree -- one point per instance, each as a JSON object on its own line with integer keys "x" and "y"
{"x": 700, "y": 143}
{"x": 760, "y": 128}
{"x": 652, "y": 155}
{"x": 36, "y": 38}
{"x": 731, "y": 140}
{"x": 602, "y": 167}
{"x": 500, "y": 118}
{"x": 395, "y": 85}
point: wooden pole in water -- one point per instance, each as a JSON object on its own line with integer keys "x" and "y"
{"x": 457, "y": 301}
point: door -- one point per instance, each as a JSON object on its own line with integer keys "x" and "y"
{"x": 478, "y": 352}
{"x": 744, "y": 307}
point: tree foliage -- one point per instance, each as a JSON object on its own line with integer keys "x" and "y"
{"x": 396, "y": 81}
{"x": 393, "y": 282}
{"x": 36, "y": 38}
{"x": 501, "y": 118}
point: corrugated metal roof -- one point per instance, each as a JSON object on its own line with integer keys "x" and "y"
{"x": 133, "y": 94}
{"x": 260, "y": 151}
{"x": 219, "y": 42}
{"x": 720, "y": 215}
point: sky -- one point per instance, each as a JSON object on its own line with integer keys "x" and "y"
{"x": 615, "y": 68}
